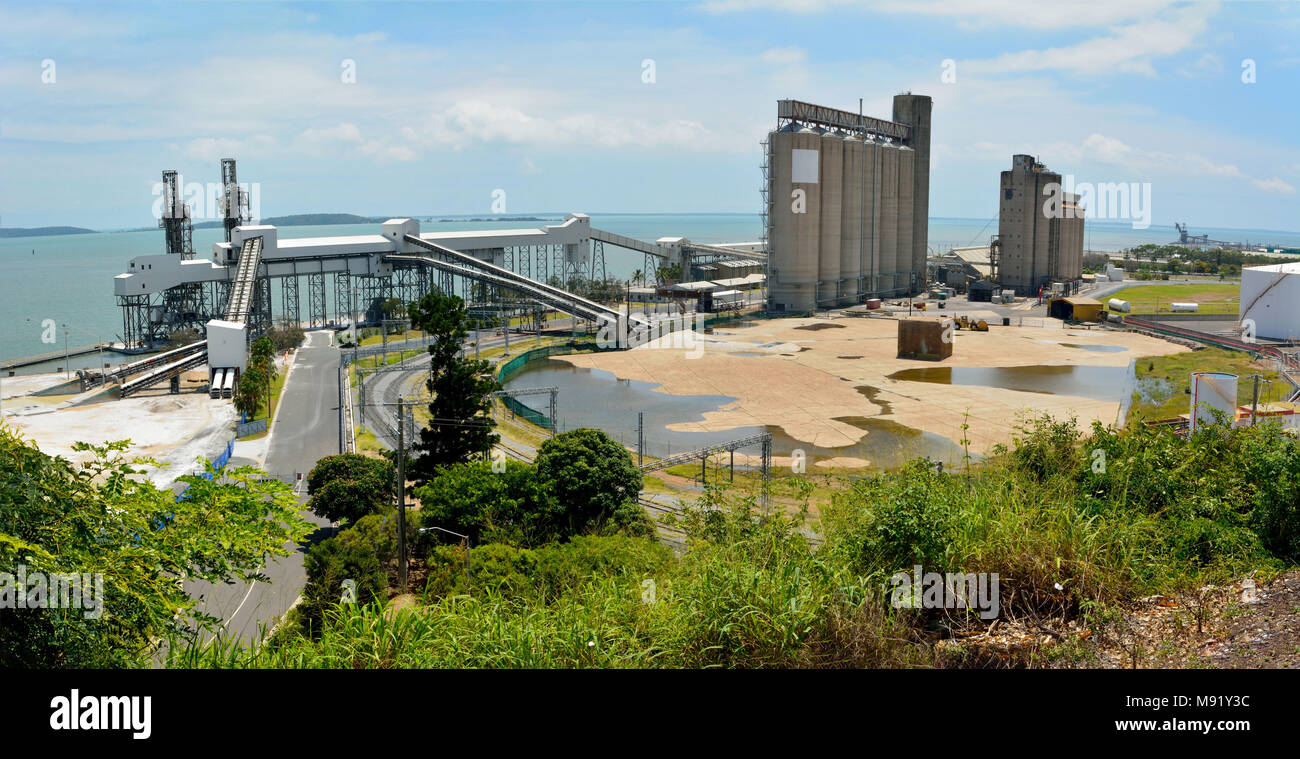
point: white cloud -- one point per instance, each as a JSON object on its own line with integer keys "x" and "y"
{"x": 1276, "y": 185}
{"x": 784, "y": 56}
{"x": 977, "y": 13}
{"x": 371, "y": 37}
{"x": 1130, "y": 48}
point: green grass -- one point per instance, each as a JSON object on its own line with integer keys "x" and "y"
{"x": 1212, "y": 297}
{"x": 277, "y": 390}
{"x": 366, "y": 441}
{"x": 1165, "y": 381}
{"x": 410, "y": 334}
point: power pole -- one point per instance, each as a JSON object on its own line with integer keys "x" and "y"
{"x": 401, "y": 496}
{"x": 1254, "y": 400}
{"x": 640, "y": 438}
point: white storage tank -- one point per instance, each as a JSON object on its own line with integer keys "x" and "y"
{"x": 1213, "y": 392}
{"x": 1122, "y": 306}
{"x": 1182, "y": 308}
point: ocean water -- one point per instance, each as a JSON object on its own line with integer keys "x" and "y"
{"x": 69, "y": 279}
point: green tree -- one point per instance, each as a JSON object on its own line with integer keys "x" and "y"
{"x": 460, "y": 425}
{"x": 512, "y": 506}
{"x": 594, "y": 481}
{"x": 142, "y": 541}
{"x": 349, "y": 486}
{"x": 250, "y": 391}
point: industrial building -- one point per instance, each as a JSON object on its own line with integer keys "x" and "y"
{"x": 846, "y": 204}
{"x": 1269, "y": 295}
{"x": 1037, "y": 242}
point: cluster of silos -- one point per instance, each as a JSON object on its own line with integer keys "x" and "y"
{"x": 842, "y": 217}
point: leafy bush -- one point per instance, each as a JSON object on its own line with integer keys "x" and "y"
{"x": 362, "y": 553}
{"x": 593, "y": 480}
{"x": 349, "y": 486}
{"x": 890, "y": 523}
{"x": 510, "y": 506}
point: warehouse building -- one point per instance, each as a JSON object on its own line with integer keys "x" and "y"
{"x": 846, "y": 204}
{"x": 1039, "y": 241}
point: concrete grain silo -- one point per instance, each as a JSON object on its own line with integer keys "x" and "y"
{"x": 852, "y": 222}
{"x": 906, "y": 261}
{"x": 847, "y": 204}
{"x": 781, "y": 247}
{"x": 871, "y": 207}
{"x": 831, "y": 212}
{"x": 887, "y": 253}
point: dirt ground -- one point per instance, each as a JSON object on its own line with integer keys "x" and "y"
{"x": 802, "y": 374}
{"x": 175, "y": 429}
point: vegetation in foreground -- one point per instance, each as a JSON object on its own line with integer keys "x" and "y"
{"x": 104, "y": 519}
{"x": 1075, "y": 529}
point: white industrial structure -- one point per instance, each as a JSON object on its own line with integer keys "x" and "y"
{"x": 1270, "y": 299}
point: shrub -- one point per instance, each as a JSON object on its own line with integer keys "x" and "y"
{"x": 349, "y": 486}
{"x": 592, "y": 478}
{"x": 358, "y": 554}
{"x": 471, "y": 499}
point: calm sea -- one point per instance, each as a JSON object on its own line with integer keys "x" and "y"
{"x": 69, "y": 279}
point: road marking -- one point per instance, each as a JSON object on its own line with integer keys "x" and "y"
{"x": 241, "y": 604}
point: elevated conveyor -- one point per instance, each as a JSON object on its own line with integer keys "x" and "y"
{"x": 461, "y": 264}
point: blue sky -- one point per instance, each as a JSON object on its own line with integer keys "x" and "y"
{"x": 546, "y": 101}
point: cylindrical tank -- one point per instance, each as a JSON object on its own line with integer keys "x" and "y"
{"x": 1213, "y": 392}
{"x": 782, "y": 254}
{"x": 887, "y": 252}
{"x": 871, "y": 215}
{"x": 908, "y": 270}
{"x": 1183, "y": 308}
{"x": 1122, "y": 306}
{"x": 832, "y": 189}
{"x": 805, "y": 216}
{"x": 851, "y": 222}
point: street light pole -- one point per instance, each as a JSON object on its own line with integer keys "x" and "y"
{"x": 401, "y": 496}
{"x": 464, "y": 541}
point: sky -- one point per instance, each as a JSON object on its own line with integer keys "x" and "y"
{"x": 633, "y": 107}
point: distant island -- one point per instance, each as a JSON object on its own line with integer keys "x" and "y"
{"x": 292, "y": 220}
{"x": 43, "y": 231}
{"x": 501, "y": 218}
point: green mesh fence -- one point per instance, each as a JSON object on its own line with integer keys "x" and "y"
{"x": 517, "y": 364}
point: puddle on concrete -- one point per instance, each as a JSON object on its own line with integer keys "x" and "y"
{"x": 1104, "y": 383}
{"x": 873, "y": 394}
{"x": 817, "y": 327}
{"x": 596, "y": 398}
{"x": 848, "y": 357}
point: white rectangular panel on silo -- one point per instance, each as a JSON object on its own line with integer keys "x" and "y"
{"x": 803, "y": 166}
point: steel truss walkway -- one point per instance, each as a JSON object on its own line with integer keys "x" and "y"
{"x": 464, "y": 265}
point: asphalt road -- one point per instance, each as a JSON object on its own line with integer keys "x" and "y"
{"x": 305, "y": 430}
